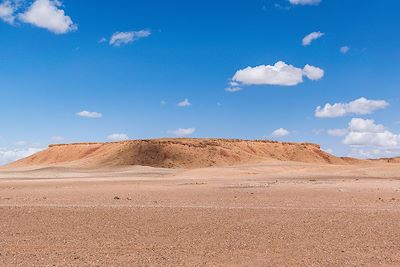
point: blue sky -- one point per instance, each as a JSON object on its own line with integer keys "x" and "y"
{"x": 98, "y": 71}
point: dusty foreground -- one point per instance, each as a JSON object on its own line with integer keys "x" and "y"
{"x": 252, "y": 215}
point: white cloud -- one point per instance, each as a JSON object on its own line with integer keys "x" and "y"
{"x": 184, "y": 103}
{"x": 121, "y": 38}
{"x": 337, "y": 132}
{"x": 278, "y": 6}
{"x": 344, "y": 49}
{"x": 181, "y": 132}
{"x": 307, "y": 40}
{"x": 7, "y": 10}
{"x": 281, "y": 132}
{"x": 364, "y": 125}
{"x": 118, "y": 137}
{"x": 10, "y": 155}
{"x": 384, "y": 139}
{"x": 48, "y": 14}
{"x": 233, "y": 89}
{"x": 305, "y": 2}
{"x": 89, "y": 114}
{"x": 278, "y": 74}
{"x": 313, "y": 73}
{"x": 361, "y": 106}
{"x": 364, "y": 132}
{"x": 374, "y": 153}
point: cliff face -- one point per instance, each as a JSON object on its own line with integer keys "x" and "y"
{"x": 176, "y": 153}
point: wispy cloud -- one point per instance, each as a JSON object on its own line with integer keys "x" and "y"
{"x": 344, "y": 49}
{"x": 233, "y": 89}
{"x": 182, "y": 132}
{"x": 184, "y": 103}
{"x": 118, "y": 137}
{"x": 282, "y": 7}
{"x": 123, "y": 38}
{"x": 309, "y": 38}
{"x": 89, "y": 114}
{"x": 7, "y": 10}
{"x": 305, "y": 2}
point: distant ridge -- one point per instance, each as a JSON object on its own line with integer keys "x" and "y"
{"x": 177, "y": 153}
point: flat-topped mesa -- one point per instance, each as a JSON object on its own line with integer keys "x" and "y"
{"x": 176, "y": 153}
{"x": 187, "y": 141}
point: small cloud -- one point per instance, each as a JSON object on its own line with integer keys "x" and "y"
{"x": 308, "y": 39}
{"x": 47, "y": 14}
{"x": 344, "y": 49}
{"x": 305, "y": 2}
{"x": 7, "y": 10}
{"x": 233, "y": 89}
{"x": 182, "y": 132}
{"x": 361, "y": 106}
{"x": 89, "y": 114}
{"x": 184, "y": 103}
{"x": 278, "y": 74}
{"x": 118, "y": 137}
{"x": 282, "y": 7}
{"x": 313, "y": 73}
{"x": 122, "y": 38}
{"x": 281, "y": 132}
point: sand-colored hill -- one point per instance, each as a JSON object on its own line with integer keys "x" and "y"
{"x": 176, "y": 153}
{"x": 272, "y": 213}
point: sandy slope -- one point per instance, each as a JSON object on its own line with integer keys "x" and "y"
{"x": 265, "y": 214}
{"x": 261, "y": 204}
{"x": 176, "y": 153}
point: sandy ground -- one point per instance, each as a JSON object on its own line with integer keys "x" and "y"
{"x": 271, "y": 214}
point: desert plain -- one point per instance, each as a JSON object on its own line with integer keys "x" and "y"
{"x": 262, "y": 204}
